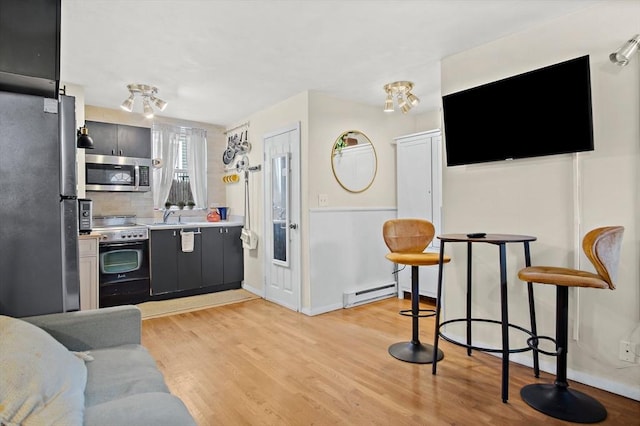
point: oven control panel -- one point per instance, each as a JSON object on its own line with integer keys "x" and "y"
{"x": 128, "y": 234}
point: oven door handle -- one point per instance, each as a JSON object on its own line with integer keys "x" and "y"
{"x": 124, "y": 243}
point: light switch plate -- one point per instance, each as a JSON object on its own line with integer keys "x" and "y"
{"x": 323, "y": 200}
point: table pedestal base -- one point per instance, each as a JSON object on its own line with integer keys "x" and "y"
{"x": 563, "y": 403}
{"x": 416, "y": 353}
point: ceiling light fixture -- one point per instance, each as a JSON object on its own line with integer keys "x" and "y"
{"x": 148, "y": 94}
{"x": 402, "y": 91}
{"x": 388, "y": 104}
{"x": 621, "y": 56}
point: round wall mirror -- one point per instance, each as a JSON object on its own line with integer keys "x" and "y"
{"x": 354, "y": 161}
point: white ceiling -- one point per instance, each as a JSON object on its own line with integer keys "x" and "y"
{"x": 218, "y": 61}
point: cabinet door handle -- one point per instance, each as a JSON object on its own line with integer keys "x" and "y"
{"x": 113, "y": 152}
{"x": 120, "y": 152}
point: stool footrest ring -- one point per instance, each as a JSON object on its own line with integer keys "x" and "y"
{"x": 409, "y": 313}
{"x": 479, "y": 348}
{"x": 532, "y": 342}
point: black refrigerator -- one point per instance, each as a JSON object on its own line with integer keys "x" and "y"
{"x": 38, "y": 205}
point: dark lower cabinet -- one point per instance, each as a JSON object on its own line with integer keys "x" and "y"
{"x": 213, "y": 256}
{"x": 163, "y": 260}
{"x": 222, "y": 256}
{"x": 233, "y": 255}
{"x": 216, "y": 262}
{"x": 189, "y": 263}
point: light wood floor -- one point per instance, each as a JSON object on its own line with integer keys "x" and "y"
{"x": 256, "y": 363}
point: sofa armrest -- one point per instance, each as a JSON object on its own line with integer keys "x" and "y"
{"x": 93, "y": 329}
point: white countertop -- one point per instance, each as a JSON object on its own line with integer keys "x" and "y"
{"x": 188, "y": 222}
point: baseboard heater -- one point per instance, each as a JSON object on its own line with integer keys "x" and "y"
{"x": 358, "y": 297}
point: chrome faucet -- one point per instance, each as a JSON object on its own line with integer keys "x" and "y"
{"x": 166, "y": 215}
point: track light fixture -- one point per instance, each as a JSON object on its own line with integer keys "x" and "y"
{"x": 621, "y": 56}
{"x": 402, "y": 91}
{"x": 148, "y": 94}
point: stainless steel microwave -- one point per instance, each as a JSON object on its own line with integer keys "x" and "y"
{"x": 115, "y": 173}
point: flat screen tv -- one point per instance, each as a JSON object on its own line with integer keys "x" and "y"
{"x": 542, "y": 112}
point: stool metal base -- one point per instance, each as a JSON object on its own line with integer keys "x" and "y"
{"x": 563, "y": 403}
{"x": 416, "y": 353}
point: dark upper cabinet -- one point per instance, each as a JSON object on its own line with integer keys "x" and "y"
{"x": 30, "y": 47}
{"x": 134, "y": 141}
{"x": 120, "y": 139}
{"x": 105, "y": 138}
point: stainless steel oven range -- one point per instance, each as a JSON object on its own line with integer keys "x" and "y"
{"x": 123, "y": 260}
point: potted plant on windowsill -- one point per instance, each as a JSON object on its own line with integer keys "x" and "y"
{"x": 181, "y": 205}
{"x": 167, "y": 205}
{"x": 191, "y": 204}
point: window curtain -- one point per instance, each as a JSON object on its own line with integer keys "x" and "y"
{"x": 164, "y": 148}
{"x": 197, "y": 165}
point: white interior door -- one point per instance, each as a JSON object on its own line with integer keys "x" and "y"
{"x": 282, "y": 217}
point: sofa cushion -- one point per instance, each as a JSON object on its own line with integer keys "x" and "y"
{"x": 121, "y": 371}
{"x": 143, "y": 409}
{"x": 41, "y": 382}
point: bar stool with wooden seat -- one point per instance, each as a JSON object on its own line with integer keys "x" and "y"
{"x": 407, "y": 239}
{"x": 602, "y": 248}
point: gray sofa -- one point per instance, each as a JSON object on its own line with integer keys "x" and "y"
{"x": 123, "y": 384}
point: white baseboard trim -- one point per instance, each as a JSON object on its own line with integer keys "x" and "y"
{"x": 321, "y": 309}
{"x": 251, "y": 289}
{"x": 548, "y": 365}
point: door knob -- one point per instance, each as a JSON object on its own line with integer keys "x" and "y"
{"x": 293, "y": 226}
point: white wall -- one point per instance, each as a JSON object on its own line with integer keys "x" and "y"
{"x": 347, "y": 254}
{"x": 536, "y": 196}
{"x": 283, "y": 114}
{"x": 323, "y": 118}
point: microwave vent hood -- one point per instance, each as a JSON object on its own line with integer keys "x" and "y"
{"x": 109, "y": 173}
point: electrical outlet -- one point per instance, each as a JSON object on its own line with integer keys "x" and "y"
{"x": 323, "y": 200}
{"x": 626, "y": 351}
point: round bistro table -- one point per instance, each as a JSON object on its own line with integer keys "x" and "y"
{"x": 500, "y": 240}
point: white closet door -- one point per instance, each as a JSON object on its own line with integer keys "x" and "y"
{"x": 418, "y": 178}
{"x": 414, "y": 179}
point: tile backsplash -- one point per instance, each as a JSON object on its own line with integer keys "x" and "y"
{"x": 121, "y": 203}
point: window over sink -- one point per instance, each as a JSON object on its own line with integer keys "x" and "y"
{"x": 180, "y": 186}
{"x": 180, "y": 158}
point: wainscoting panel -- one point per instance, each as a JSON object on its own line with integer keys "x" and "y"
{"x": 346, "y": 253}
